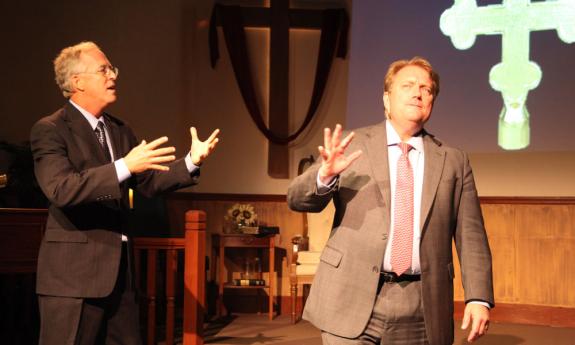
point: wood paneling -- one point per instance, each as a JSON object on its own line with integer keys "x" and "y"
{"x": 271, "y": 210}
{"x": 21, "y": 231}
{"x": 532, "y": 242}
{"x": 527, "y": 314}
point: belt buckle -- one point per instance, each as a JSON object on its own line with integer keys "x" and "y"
{"x": 388, "y": 277}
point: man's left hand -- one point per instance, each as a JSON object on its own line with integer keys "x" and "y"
{"x": 202, "y": 149}
{"x": 478, "y": 315}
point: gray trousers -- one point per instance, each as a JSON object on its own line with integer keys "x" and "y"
{"x": 397, "y": 319}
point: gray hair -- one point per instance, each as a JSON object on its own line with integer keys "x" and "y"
{"x": 68, "y": 63}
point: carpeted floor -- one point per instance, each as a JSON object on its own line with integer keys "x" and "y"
{"x": 251, "y": 329}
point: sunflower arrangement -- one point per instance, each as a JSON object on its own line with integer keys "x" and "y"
{"x": 242, "y": 215}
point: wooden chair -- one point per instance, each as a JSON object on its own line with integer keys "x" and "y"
{"x": 306, "y": 251}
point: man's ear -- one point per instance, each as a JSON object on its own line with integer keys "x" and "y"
{"x": 386, "y": 104}
{"x": 77, "y": 83}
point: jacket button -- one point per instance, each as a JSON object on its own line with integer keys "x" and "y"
{"x": 375, "y": 269}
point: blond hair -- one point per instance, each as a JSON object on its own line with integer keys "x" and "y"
{"x": 68, "y": 63}
{"x": 396, "y": 66}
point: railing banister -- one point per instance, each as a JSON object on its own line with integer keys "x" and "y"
{"x": 194, "y": 277}
{"x": 151, "y": 293}
{"x": 171, "y": 269}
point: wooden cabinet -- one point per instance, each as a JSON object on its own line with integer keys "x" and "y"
{"x": 267, "y": 245}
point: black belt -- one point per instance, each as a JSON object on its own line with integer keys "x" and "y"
{"x": 391, "y": 277}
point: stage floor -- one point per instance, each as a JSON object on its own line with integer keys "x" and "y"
{"x": 247, "y": 329}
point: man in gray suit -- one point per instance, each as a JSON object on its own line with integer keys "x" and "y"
{"x": 85, "y": 161}
{"x": 401, "y": 197}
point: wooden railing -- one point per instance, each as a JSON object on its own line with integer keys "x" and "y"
{"x": 21, "y": 231}
{"x": 193, "y": 245}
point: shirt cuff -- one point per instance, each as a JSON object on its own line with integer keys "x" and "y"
{"x": 485, "y": 304}
{"x": 324, "y": 188}
{"x": 191, "y": 166}
{"x": 122, "y": 170}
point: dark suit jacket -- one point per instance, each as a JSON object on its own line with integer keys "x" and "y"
{"x": 344, "y": 289}
{"x": 80, "y": 252}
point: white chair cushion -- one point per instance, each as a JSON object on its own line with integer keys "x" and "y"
{"x": 306, "y": 270}
{"x": 308, "y": 257}
{"x": 319, "y": 227}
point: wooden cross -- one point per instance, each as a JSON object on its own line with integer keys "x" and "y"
{"x": 279, "y": 18}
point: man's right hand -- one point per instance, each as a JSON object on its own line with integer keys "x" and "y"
{"x": 149, "y": 156}
{"x": 332, "y": 154}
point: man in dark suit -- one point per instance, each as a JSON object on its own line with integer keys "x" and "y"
{"x": 386, "y": 273}
{"x": 85, "y": 162}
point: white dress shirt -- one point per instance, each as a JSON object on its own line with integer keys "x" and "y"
{"x": 416, "y": 159}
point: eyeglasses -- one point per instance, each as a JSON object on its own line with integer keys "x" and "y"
{"x": 106, "y": 71}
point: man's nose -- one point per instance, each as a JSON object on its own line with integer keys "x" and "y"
{"x": 416, "y": 91}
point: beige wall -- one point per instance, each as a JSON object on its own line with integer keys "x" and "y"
{"x": 166, "y": 85}
{"x": 142, "y": 38}
{"x": 240, "y": 163}
{"x": 524, "y": 173}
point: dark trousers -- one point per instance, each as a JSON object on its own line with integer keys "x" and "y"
{"x": 112, "y": 320}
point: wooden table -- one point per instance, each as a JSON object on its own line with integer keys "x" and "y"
{"x": 223, "y": 241}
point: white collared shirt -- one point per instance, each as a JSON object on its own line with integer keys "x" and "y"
{"x": 417, "y": 161}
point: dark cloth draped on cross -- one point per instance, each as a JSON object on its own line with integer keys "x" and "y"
{"x": 333, "y": 24}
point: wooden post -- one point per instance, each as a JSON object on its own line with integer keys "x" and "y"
{"x": 171, "y": 269}
{"x": 272, "y": 271}
{"x": 151, "y": 292}
{"x": 194, "y": 277}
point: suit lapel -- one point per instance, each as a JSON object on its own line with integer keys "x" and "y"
{"x": 81, "y": 129}
{"x": 376, "y": 150}
{"x": 115, "y": 137}
{"x": 434, "y": 162}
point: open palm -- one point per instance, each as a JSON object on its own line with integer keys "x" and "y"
{"x": 202, "y": 149}
{"x": 332, "y": 153}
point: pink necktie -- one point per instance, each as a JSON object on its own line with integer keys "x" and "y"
{"x": 402, "y": 246}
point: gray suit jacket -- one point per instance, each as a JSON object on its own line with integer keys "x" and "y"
{"x": 80, "y": 252}
{"x": 344, "y": 289}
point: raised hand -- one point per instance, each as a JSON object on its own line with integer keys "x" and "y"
{"x": 202, "y": 149}
{"x": 149, "y": 156}
{"x": 332, "y": 153}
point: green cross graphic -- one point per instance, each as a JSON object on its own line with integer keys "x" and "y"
{"x": 515, "y": 75}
